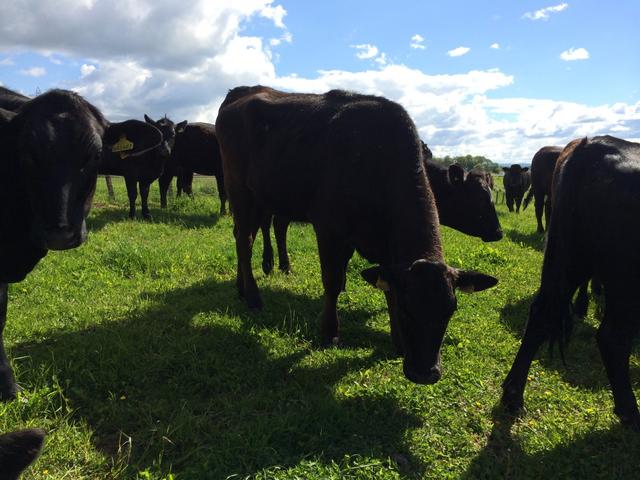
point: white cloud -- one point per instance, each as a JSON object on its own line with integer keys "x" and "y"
{"x": 34, "y": 71}
{"x": 417, "y": 42}
{"x": 495, "y": 46}
{"x": 574, "y": 54}
{"x": 365, "y": 51}
{"x": 544, "y": 13}
{"x": 285, "y": 38}
{"x": 86, "y": 70}
{"x": 458, "y": 52}
{"x": 6, "y": 62}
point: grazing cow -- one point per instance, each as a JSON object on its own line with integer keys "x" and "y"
{"x": 50, "y": 151}
{"x": 595, "y": 215}
{"x": 463, "y": 201}
{"x": 18, "y": 450}
{"x": 352, "y": 166}
{"x": 516, "y": 183}
{"x": 196, "y": 151}
{"x": 144, "y": 170}
{"x": 542, "y": 166}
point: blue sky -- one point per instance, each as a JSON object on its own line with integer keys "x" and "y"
{"x": 557, "y": 70}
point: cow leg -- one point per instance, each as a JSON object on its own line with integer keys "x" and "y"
{"x": 267, "y": 248}
{"x": 164, "y": 181}
{"x": 581, "y": 303}
{"x": 334, "y": 255}
{"x": 547, "y": 211}
{"x": 280, "y": 227}
{"x": 247, "y": 220}
{"x": 396, "y": 337}
{"x": 132, "y": 193}
{"x": 8, "y": 387}
{"x": 518, "y": 201}
{"x": 615, "y": 337}
{"x": 144, "y": 198}
{"x": 222, "y": 194}
{"x": 539, "y": 203}
{"x": 509, "y": 201}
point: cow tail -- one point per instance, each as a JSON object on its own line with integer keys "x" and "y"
{"x": 527, "y": 199}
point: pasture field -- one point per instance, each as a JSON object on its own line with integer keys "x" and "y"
{"x": 141, "y": 362}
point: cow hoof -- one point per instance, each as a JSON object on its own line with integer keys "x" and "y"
{"x": 285, "y": 268}
{"x": 147, "y": 216}
{"x": 512, "y": 402}
{"x": 254, "y": 304}
{"x": 331, "y": 342}
{"x": 267, "y": 266}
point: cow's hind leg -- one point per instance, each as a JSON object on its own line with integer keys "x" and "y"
{"x": 222, "y": 194}
{"x": 132, "y": 193}
{"x": 144, "y": 198}
{"x": 539, "y": 203}
{"x": 280, "y": 227}
{"x": 247, "y": 220}
{"x": 547, "y": 211}
{"x": 8, "y": 387}
{"x": 334, "y": 256}
{"x": 581, "y": 303}
{"x": 615, "y": 337}
{"x": 267, "y": 248}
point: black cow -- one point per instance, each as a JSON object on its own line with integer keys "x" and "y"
{"x": 516, "y": 183}
{"x": 145, "y": 169}
{"x": 542, "y": 167}
{"x": 50, "y": 151}
{"x": 463, "y": 200}
{"x": 594, "y": 229}
{"x": 10, "y": 100}
{"x": 196, "y": 151}
{"x": 18, "y": 450}
{"x": 352, "y": 165}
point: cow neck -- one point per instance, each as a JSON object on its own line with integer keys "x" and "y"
{"x": 415, "y": 230}
{"x": 442, "y": 189}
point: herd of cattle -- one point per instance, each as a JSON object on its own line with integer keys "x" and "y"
{"x": 354, "y": 167}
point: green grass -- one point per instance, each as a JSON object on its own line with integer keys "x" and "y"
{"x": 141, "y": 362}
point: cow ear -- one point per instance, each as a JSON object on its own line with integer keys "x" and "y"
{"x": 149, "y": 120}
{"x": 456, "y": 174}
{"x": 377, "y": 277}
{"x": 131, "y": 137}
{"x": 181, "y": 126}
{"x": 469, "y": 281}
{"x": 525, "y": 169}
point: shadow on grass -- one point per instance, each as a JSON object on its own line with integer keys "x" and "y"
{"x": 100, "y": 217}
{"x": 533, "y": 239}
{"x": 589, "y": 456}
{"x": 584, "y": 367}
{"x": 188, "y": 388}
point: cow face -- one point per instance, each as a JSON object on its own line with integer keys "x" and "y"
{"x": 472, "y": 208}
{"x": 514, "y": 175}
{"x": 169, "y": 130}
{"x": 59, "y": 140}
{"x": 421, "y": 301}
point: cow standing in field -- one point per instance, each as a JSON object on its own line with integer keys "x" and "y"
{"x": 18, "y": 450}
{"x": 516, "y": 183}
{"x": 596, "y": 207}
{"x": 351, "y": 165}
{"x": 542, "y": 167}
{"x": 463, "y": 201}
{"x": 196, "y": 150}
{"x": 144, "y": 170}
{"x": 50, "y": 152}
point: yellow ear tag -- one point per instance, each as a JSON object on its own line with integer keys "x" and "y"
{"x": 122, "y": 145}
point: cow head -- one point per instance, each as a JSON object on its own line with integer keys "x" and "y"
{"x": 421, "y": 300}
{"x": 513, "y": 175}
{"x": 471, "y": 209}
{"x": 57, "y": 143}
{"x": 169, "y": 130}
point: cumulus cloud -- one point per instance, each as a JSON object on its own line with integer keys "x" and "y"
{"x": 544, "y": 13}
{"x": 495, "y": 46}
{"x": 34, "y": 71}
{"x": 574, "y": 54}
{"x": 87, "y": 70}
{"x": 6, "y": 62}
{"x": 365, "y": 51}
{"x": 458, "y": 52}
{"x": 417, "y": 42}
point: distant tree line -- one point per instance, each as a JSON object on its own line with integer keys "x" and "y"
{"x": 469, "y": 162}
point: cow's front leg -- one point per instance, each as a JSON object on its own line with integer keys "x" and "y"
{"x": 267, "y": 248}
{"x": 280, "y": 227}
{"x": 132, "y": 193}
{"x": 334, "y": 256}
{"x": 8, "y": 387}
{"x": 144, "y": 198}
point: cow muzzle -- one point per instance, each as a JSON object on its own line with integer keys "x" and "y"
{"x": 427, "y": 377}
{"x": 64, "y": 238}
{"x": 493, "y": 236}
